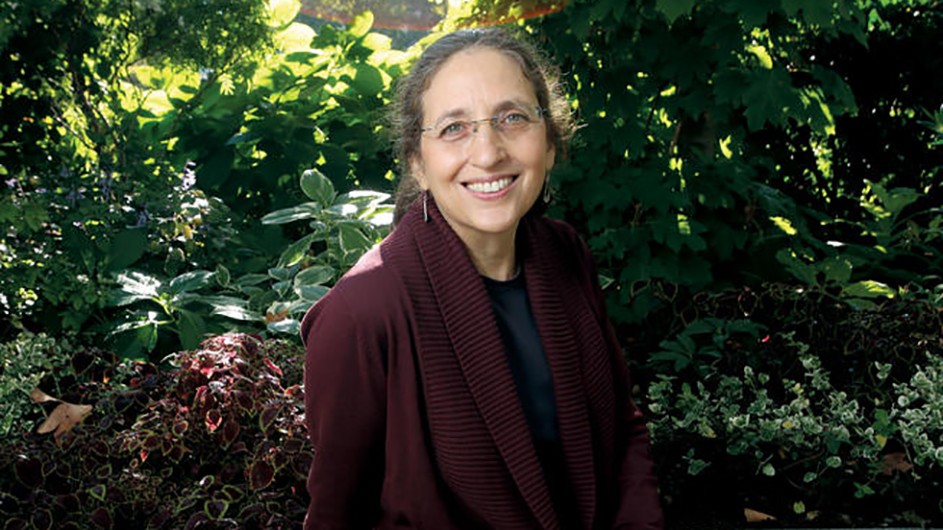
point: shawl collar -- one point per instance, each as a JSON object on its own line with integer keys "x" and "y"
{"x": 477, "y": 425}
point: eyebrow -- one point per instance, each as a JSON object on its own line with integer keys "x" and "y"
{"x": 502, "y": 106}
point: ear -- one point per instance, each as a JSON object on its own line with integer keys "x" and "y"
{"x": 551, "y": 156}
{"x": 415, "y": 167}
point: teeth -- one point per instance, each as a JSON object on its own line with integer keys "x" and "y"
{"x": 490, "y": 187}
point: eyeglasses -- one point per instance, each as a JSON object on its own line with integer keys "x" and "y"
{"x": 510, "y": 123}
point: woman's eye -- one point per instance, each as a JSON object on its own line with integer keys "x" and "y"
{"x": 515, "y": 118}
{"x": 452, "y": 130}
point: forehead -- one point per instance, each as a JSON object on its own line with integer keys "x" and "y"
{"x": 476, "y": 80}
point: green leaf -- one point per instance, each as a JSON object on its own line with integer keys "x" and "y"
{"x": 675, "y": 8}
{"x": 249, "y": 280}
{"x": 352, "y": 239}
{"x": 190, "y": 328}
{"x": 316, "y": 275}
{"x": 311, "y": 293}
{"x": 282, "y": 273}
{"x": 837, "y": 269}
{"x": 235, "y": 312}
{"x": 869, "y": 289}
{"x": 283, "y": 12}
{"x": 361, "y": 24}
{"x": 367, "y": 81}
{"x": 768, "y": 97}
{"x": 296, "y": 251}
{"x": 813, "y": 11}
{"x": 134, "y": 286}
{"x": 222, "y": 276}
{"x": 295, "y": 213}
{"x": 317, "y": 187}
{"x": 287, "y": 326}
{"x": 126, "y": 248}
{"x": 190, "y": 281}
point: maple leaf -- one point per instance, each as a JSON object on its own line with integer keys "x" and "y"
{"x": 38, "y": 396}
{"x": 753, "y": 516}
{"x": 63, "y": 418}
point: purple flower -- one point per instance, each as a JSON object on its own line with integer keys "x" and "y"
{"x": 12, "y": 183}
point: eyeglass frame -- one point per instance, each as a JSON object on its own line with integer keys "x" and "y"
{"x": 494, "y": 121}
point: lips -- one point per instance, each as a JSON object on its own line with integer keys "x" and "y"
{"x": 491, "y": 186}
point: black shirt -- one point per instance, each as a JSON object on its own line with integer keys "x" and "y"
{"x": 534, "y": 382}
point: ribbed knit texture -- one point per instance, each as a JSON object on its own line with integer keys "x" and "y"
{"x": 481, "y": 439}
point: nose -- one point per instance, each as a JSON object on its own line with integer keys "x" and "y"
{"x": 486, "y": 146}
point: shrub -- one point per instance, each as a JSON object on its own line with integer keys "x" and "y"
{"x": 788, "y": 402}
{"x": 24, "y": 362}
{"x": 214, "y": 440}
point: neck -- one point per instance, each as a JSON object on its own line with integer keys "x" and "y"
{"x": 494, "y": 256}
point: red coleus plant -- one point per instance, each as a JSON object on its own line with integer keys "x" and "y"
{"x": 216, "y": 439}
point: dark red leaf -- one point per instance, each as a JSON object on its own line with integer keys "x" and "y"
{"x": 102, "y": 518}
{"x": 213, "y": 420}
{"x": 42, "y": 519}
{"x": 30, "y": 472}
{"x": 215, "y": 508}
{"x": 273, "y": 367}
{"x": 260, "y": 474}
{"x": 268, "y": 416}
{"x": 229, "y": 433}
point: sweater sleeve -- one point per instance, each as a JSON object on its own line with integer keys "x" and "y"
{"x": 345, "y": 389}
{"x": 637, "y": 502}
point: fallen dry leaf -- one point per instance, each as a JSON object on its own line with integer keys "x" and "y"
{"x": 63, "y": 418}
{"x": 38, "y": 396}
{"x": 753, "y": 516}
{"x": 895, "y": 462}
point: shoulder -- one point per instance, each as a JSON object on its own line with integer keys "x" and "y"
{"x": 561, "y": 237}
{"x": 365, "y": 300}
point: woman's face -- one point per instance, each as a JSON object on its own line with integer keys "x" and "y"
{"x": 485, "y": 179}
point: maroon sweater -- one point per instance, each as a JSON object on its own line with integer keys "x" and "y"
{"x": 411, "y": 405}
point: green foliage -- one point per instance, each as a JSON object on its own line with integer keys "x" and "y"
{"x": 803, "y": 402}
{"x": 715, "y": 139}
{"x": 167, "y": 169}
{"x": 342, "y": 228}
{"x": 217, "y": 440}
{"x": 24, "y": 362}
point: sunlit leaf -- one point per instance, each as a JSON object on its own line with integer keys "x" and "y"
{"x": 317, "y": 187}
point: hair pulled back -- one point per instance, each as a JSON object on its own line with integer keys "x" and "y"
{"x": 406, "y": 117}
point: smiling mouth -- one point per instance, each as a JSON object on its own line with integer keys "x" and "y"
{"x": 491, "y": 186}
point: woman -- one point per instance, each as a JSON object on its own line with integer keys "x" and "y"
{"x": 463, "y": 374}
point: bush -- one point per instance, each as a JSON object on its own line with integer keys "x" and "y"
{"x": 787, "y": 402}
{"x": 214, "y": 440}
{"x": 24, "y": 363}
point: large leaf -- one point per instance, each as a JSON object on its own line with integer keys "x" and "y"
{"x": 316, "y": 275}
{"x": 675, "y": 8}
{"x": 317, "y": 187}
{"x": 352, "y": 239}
{"x": 190, "y": 281}
{"x": 190, "y": 328}
{"x": 361, "y": 24}
{"x": 367, "y": 80}
{"x": 296, "y": 251}
{"x": 126, "y": 248}
{"x": 311, "y": 293}
{"x": 295, "y": 213}
{"x": 134, "y": 286}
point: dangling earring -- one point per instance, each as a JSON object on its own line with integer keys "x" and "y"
{"x": 425, "y": 205}
{"x": 547, "y": 189}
